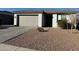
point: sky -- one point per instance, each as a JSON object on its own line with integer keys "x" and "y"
{"x": 18, "y": 9}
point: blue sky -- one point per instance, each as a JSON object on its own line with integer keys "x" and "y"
{"x": 18, "y": 9}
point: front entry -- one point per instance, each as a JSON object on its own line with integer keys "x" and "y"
{"x": 47, "y": 21}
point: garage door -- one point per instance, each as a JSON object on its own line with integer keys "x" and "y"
{"x": 29, "y": 20}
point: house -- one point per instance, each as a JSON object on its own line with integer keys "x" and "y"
{"x": 6, "y": 18}
{"x": 40, "y": 18}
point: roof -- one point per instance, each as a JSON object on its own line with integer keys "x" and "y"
{"x": 6, "y": 13}
{"x": 28, "y": 11}
{"x": 46, "y": 11}
{"x": 63, "y": 12}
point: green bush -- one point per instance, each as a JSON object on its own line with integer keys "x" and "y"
{"x": 62, "y": 23}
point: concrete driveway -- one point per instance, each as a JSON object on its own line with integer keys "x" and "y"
{"x": 6, "y": 47}
{"x": 11, "y": 32}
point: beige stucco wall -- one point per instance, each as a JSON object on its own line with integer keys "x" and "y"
{"x": 28, "y": 21}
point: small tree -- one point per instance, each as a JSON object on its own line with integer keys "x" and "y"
{"x": 62, "y": 23}
{"x": 72, "y": 20}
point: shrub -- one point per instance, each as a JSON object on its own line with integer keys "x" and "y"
{"x": 62, "y": 23}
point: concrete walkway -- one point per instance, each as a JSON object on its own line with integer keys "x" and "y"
{"x": 11, "y": 32}
{"x": 6, "y": 47}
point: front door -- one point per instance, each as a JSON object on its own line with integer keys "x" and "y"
{"x": 47, "y": 20}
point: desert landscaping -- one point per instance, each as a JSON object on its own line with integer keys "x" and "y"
{"x": 55, "y": 39}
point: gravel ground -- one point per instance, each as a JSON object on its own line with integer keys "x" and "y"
{"x": 53, "y": 40}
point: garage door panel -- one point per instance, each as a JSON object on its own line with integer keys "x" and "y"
{"x": 28, "y": 21}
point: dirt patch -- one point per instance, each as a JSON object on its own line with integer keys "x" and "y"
{"x": 53, "y": 40}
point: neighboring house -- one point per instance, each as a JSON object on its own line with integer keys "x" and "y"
{"x": 6, "y": 18}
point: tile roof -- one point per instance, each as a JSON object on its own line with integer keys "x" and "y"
{"x": 46, "y": 11}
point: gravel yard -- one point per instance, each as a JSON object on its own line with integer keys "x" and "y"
{"x": 53, "y": 40}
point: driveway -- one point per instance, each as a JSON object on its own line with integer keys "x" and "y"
{"x": 11, "y": 32}
{"x": 6, "y": 47}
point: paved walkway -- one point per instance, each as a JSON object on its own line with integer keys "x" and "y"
{"x": 6, "y": 47}
{"x": 11, "y": 32}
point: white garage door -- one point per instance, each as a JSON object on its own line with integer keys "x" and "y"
{"x": 31, "y": 20}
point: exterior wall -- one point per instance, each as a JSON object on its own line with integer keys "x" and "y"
{"x": 15, "y": 19}
{"x": 54, "y": 20}
{"x": 40, "y": 20}
{"x": 43, "y": 20}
